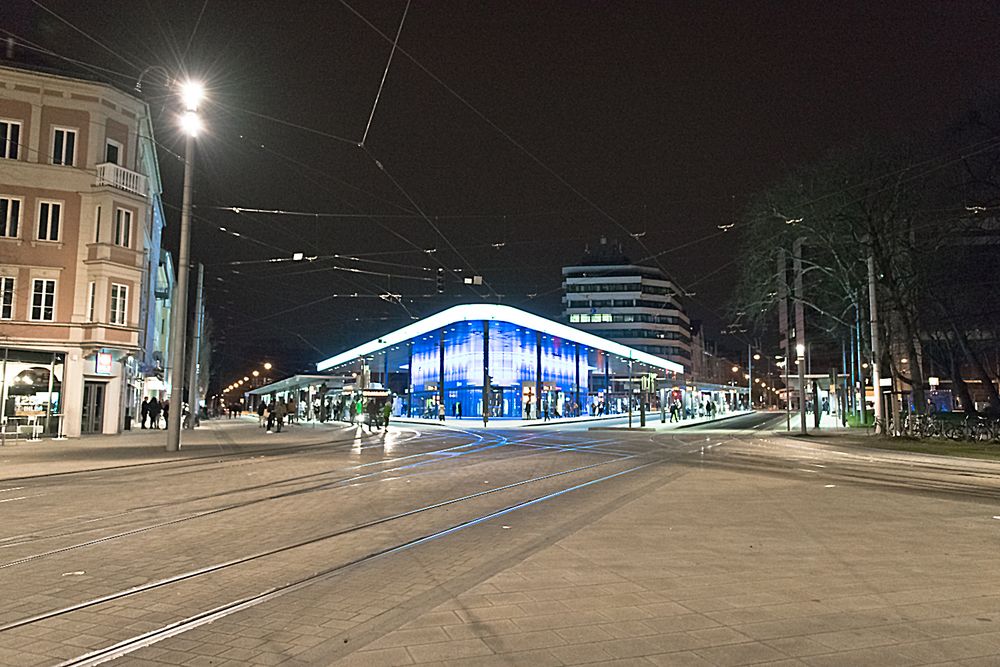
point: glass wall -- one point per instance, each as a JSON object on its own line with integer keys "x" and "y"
{"x": 31, "y": 391}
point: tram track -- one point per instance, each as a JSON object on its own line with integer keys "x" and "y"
{"x": 300, "y": 580}
{"x": 324, "y": 486}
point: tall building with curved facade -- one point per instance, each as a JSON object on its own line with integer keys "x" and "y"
{"x": 635, "y": 305}
{"x": 80, "y": 260}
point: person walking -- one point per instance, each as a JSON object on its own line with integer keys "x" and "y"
{"x": 144, "y": 411}
{"x": 269, "y": 417}
{"x": 293, "y": 416}
{"x": 440, "y": 412}
{"x": 458, "y": 409}
{"x": 261, "y": 417}
{"x": 527, "y": 410}
{"x": 386, "y": 413}
{"x": 166, "y": 412}
{"x": 372, "y": 411}
{"x": 545, "y": 410}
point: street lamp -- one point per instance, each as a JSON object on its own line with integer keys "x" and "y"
{"x": 256, "y": 373}
{"x": 267, "y": 365}
{"x": 191, "y": 95}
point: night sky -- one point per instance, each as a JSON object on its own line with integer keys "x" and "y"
{"x": 660, "y": 118}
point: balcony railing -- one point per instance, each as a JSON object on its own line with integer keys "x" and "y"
{"x": 111, "y": 174}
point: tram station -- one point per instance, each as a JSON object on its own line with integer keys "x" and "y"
{"x": 516, "y": 364}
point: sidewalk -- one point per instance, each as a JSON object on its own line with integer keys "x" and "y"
{"x": 653, "y": 422}
{"x": 606, "y": 422}
{"x": 213, "y": 438}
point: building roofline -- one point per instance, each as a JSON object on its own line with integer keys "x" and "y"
{"x": 497, "y": 313}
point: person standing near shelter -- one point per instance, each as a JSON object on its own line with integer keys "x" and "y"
{"x": 144, "y": 411}
{"x": 386, "y": 413}
{"x": 154, "y": 413}
{"x": 261, "y": 409}
{"x": 279, "y": 413}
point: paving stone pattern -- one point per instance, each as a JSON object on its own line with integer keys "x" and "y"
{"x": 726, "y": 550}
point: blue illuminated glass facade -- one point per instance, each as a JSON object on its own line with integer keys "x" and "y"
{"x": 526, "y": 371}
{"x": 566, "y": 369}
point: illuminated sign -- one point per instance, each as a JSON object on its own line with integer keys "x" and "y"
{"x": 103, "y": 363}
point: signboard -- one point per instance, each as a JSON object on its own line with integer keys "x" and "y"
{"x": 103, "y": 363}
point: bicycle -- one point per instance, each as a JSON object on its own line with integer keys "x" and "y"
{"x": 973, "y": 428}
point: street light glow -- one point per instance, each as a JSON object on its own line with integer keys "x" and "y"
{"x": 800, "y": 350}
{"x": 246, "y": 379}
{"x": 192, "y": 93}
{"x": 256, "y": 373}
{"x": 756, "y": 357}
{"x": 191, "y": 123}
{"x": 736, "y": 369}
{"x": 267, "y": 366}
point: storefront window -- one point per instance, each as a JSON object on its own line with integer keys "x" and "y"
{"x": 31, "y": 390}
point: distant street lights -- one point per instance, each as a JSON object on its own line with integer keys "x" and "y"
{"x": 191, "y": 95}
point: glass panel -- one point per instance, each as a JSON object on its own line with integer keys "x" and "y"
{"x": 70, "y": 147}
{"x": 111, "y": 155}
{"x": 57, "y": 147}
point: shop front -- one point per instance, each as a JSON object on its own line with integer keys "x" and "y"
{"x": 32, "y": 392}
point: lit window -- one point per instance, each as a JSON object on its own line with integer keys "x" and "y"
{"x": 10, "y": 217}
{"x": 43, "y": 299}
{"x": 63, "y": 146}
{"x": 49, "y": 217}
{"x": 6, "y": 298}
{"x": 10, "y": 139}
{"x": 119, "y": 304}
{"x": 123, "y": 227}
{"x": 574, "y": 318}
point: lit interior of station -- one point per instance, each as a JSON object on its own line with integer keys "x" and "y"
{"x": 517, "y": 364}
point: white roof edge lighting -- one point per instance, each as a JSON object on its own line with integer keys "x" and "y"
{"x": 497, "y": 313}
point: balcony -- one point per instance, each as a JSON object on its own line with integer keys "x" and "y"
{"x": 109, "y": 173}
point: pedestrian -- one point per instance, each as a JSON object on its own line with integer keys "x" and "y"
{"x": 440, "y": 412}
{"x": 144, "y": 411}
{"x": 458, "y": 409}
{"x": 291, "y": 407}
{"x": 527, "y": 410}
{"x": 279, "y": 413}
{"x": 545, "y": 410}
{"x": 261, "y": 416}
{"x": 270, "y": 415}
{"x": 359, "y": 410}
{"x": 372, "y": 411}
{"x": 386, "y": 413}
{"x": 166, "y": 413}
{"x": 673, "y": 412}
{"x": 154, "y": 413}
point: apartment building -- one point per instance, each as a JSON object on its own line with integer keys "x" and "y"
{"x": 80, "y": 226}
{"x": 607, "y": 295}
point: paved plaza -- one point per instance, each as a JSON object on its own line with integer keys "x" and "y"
{"x": 728, "y": 543}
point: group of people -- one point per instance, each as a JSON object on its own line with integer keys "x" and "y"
{"x": 151, "y": 409}
{"x": 358, "y": 411}
{"x": 272, "y": 415}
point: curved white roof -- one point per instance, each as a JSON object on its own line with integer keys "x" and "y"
{"x": 498, "y": 313}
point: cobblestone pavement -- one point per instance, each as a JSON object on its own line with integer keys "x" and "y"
{"x": 536, "y": 547}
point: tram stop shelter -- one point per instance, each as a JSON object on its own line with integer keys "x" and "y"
{"x": 516, "y": 364}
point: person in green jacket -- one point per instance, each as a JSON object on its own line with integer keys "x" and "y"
{"x": 386, "y": 413}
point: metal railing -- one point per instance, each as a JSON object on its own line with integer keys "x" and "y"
{"x": 109, "y": 173}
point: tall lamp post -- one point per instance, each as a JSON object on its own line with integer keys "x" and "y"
{"x": 191, "y": 94}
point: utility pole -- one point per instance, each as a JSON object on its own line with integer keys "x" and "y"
{"x": 749, "y": 376}
{"x": 876, "y": 346}
{"x": 194, "y": 396}
{"x": 800, "y": 327}
{"x": 191, "y": 94}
